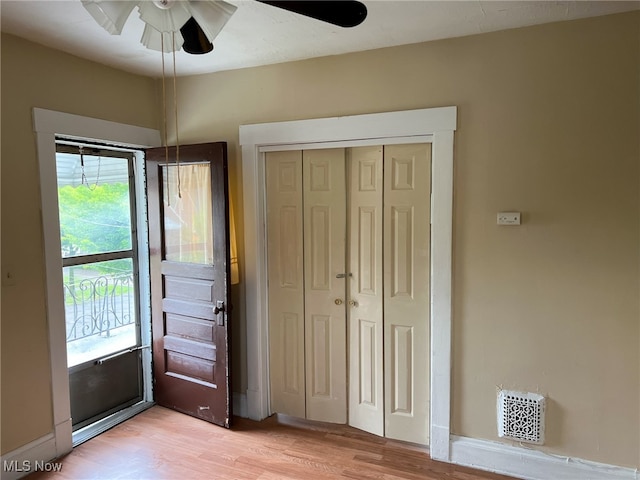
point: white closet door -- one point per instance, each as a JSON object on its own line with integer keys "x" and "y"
{"x": 286, "y": 282}
{"x": 324, "y": 264}
{"x": 407, "y": 208}
{"x": 365, "y": 310}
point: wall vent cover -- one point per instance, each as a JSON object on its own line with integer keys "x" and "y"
{"x": 521, "y": 416}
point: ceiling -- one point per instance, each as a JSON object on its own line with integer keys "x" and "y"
{"x": 259, "y": 34}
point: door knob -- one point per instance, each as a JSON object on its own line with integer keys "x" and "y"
{"x": 343, "y": 275}
{"x": 353, "y": 303}
{"x": 338, "y": 301}
{"x": 219, "y": 308}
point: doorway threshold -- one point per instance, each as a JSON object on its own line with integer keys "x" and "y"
{"x": 87, "y": 433}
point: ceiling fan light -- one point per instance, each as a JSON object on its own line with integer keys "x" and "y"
{"x": 152, "y": 39}
{"x": 211, "y": 16}
{"x": 195, "y": 40}
{"x": 164, "y": 19}
{"x": 110, "y": 14}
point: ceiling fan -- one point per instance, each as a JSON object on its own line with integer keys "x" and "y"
{"x": 193, "y": 24}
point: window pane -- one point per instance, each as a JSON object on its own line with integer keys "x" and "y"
{"x": 93, "y": 196}
{"x": 188, "y": 222}
{"x": 100, "y": 309}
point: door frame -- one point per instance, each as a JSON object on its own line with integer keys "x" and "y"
{"x": 408, "y": 126}
{"x": 47, "y": 124}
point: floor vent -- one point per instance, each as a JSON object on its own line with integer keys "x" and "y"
{"x": 521, "y": 416}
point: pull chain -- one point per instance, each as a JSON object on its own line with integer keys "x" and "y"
{"x": 175, "y": 108}
{"x": 164, "y": 119}
{"x": 164, "y": 116}
{"x": 83, "y": 177}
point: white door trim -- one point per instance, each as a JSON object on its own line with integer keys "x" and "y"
{"x": 440, "y": 123}
{"x": 46, "y": 125}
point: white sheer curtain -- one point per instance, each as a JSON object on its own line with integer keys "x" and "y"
{"x": 188, "y": 218}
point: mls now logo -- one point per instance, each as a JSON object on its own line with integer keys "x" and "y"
{"x": 29, "y": 466}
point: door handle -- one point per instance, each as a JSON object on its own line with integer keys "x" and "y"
{"x": 219, "y": 308}
{"x": 353, "y": 303}
{"x": 338, "y": 301}
{"x": 100, "y": 361}
{"x": 342, "y": 275}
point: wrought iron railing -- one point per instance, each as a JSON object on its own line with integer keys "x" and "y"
{"x": 99, "y": 305}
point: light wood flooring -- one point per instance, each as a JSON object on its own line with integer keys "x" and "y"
{"x": 162, "y": 444}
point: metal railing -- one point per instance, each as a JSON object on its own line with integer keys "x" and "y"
{"x": 99, "y": 305}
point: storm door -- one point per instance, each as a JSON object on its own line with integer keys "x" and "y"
{"x": 96, "y": 199}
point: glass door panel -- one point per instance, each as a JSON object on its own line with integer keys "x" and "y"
{"x": 95, "y": 204}
{"x": 100, "y": 308}
{"x": 188, "y": 221}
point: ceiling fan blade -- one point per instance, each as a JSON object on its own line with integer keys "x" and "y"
{"x": 110, "y": 15}
{"x": 195, "y": 41}
{"x": 344, "y": 13}
{"x": 162, "y": 42}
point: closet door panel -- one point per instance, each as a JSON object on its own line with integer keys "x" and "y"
{"x": 365, "y": 306}
{"x": 407, "y": 207}
{"x": 324, "y": 294}
{"x": 286, "y": 282}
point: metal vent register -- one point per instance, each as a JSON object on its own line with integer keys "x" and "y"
{"x": 521, "y": 416}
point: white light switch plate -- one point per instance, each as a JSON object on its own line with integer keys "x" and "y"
{"x": 509, "y": 218}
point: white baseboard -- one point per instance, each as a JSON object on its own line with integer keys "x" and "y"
{"x": 240, "y": 405}
{"x": 531, "y": 464}
{"x": 28, "y": 458}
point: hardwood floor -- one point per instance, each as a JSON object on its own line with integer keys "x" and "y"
{"x": 162, "y": 444}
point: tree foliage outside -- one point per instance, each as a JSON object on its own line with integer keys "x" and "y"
{"x": 95, "y": 219}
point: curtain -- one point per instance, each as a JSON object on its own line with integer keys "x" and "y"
{"x": 235, "y": 273}
{"x": 188, "y": 217}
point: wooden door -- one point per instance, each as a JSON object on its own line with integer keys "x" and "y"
{"x": 286, "y": 282}
{"x": 365, "y": 305}
{"x": 190, "y": 279}
{"x": 387, "y": 234}
{"x": 306, "y": 255}
{"x": 407, "y": 221}
{"x": 325, "y": 277}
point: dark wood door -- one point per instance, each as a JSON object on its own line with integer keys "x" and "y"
{"x": 190, "y": 278}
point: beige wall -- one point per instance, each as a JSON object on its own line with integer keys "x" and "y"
{"x": 35, "y": 76}
{"x": 548, "y": 125}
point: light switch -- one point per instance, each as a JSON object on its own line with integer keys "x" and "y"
{"x": 509, "y": 218}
